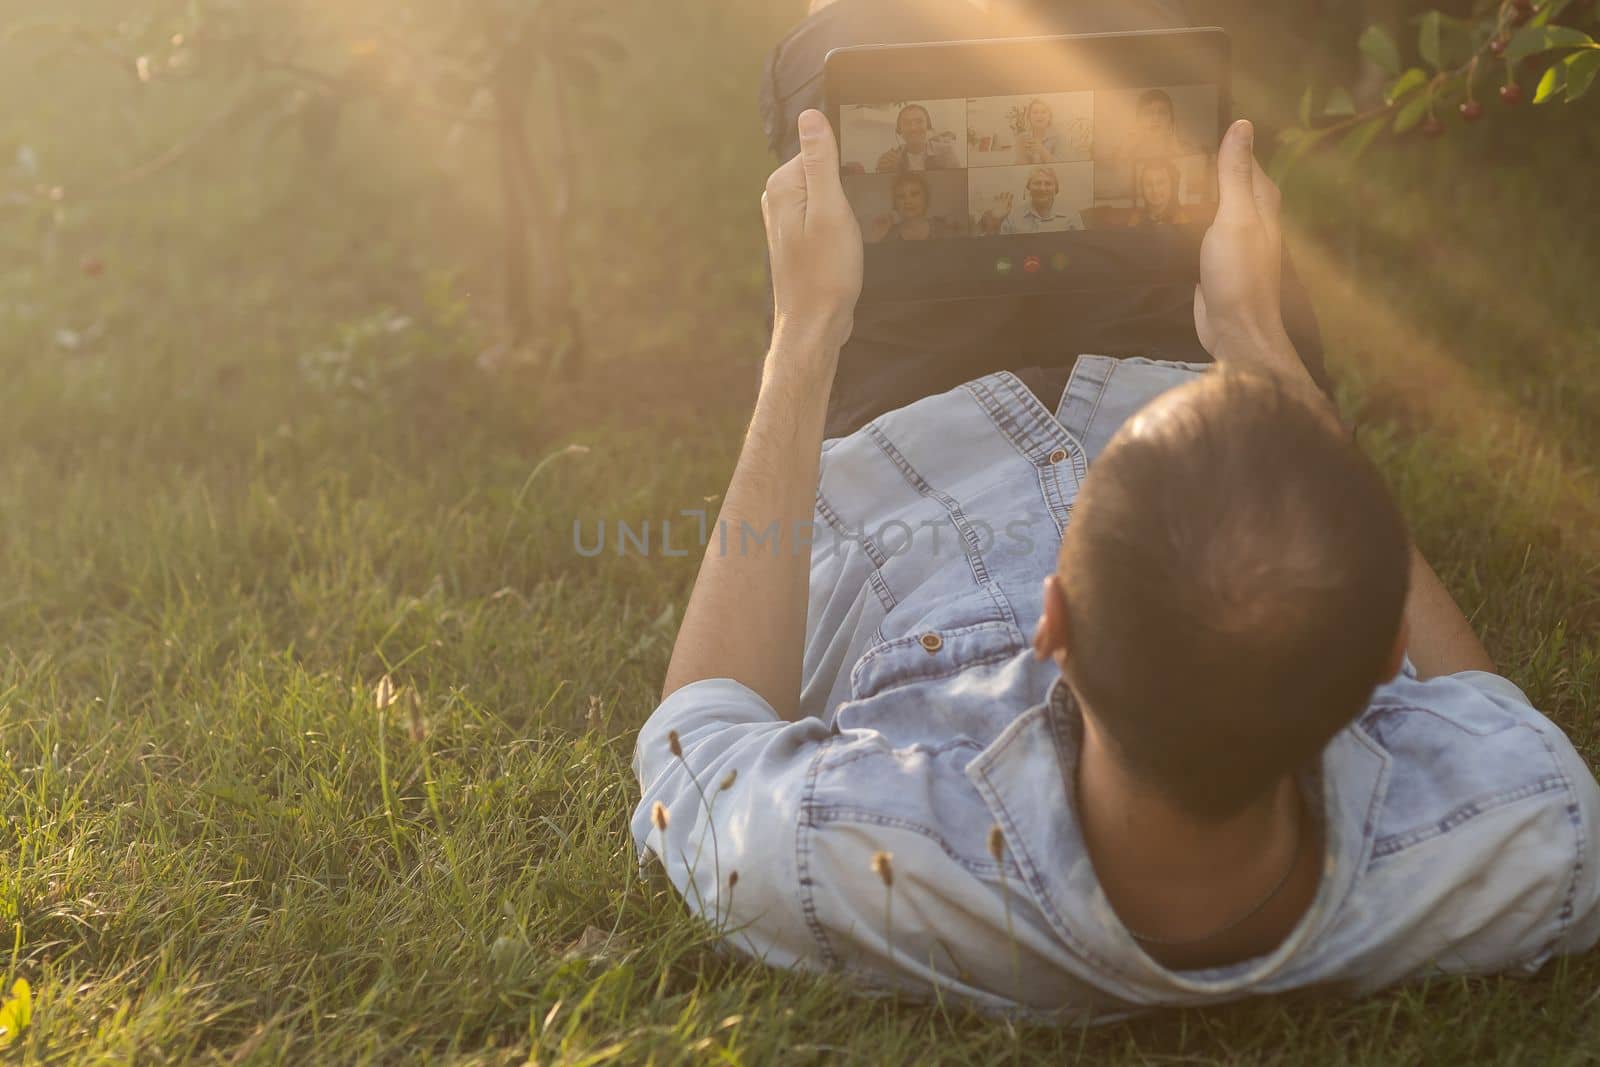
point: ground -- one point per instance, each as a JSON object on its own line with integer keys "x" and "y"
{"x": 248, "y": 467}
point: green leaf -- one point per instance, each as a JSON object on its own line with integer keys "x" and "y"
{"x": 1339, "y": 103}
{"x": 1356, "y": 142}
{"x": 17, "y": 1012}
{"x": 1305, "y": 107}
{"x": 1548, "y": 11}
{"x": 1412, "y": 113}
{"x": 1428, "y": 40}
{"x": 1531, "y": 40}
{"x": 1554, "y": 80}
{"x": 1378, "y": 46}
{"x": 1414, "y": 78}
{"x": 1581, "y": 70}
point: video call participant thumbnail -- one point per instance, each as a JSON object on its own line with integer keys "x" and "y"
{"x": 1156, "y": 128}
{"x": 1039, "y": 212}
{"x": 1039, "y": 141}
{"x": 1157, "y": 201}
{"x": 921, "y": 147}
{"x": 914, "y": 216}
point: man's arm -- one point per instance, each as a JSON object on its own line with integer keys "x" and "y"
{"x": 747, "y": 613}
{"x": 1239, "y": 321}
{"x": 1440, "y": 639}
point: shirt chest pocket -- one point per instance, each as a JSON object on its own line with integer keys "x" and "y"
{"x": 932, "y": 654}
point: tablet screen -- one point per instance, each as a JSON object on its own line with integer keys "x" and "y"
{"x": 1109, "y": 178}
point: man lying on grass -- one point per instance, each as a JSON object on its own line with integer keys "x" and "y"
{"x": 1252, "y": 745}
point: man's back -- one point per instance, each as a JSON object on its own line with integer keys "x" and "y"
{"x": 1455, "y": 818}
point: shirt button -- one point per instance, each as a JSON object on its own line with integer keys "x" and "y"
{"x": 932, "y": 641}
{"x": 1058, "y": 455}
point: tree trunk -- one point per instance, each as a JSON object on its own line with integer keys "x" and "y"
{"x": 570, "y": 354}
{"x": 509, "y": 133}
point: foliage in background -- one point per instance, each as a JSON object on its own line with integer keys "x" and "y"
{"x": 1460, "y": 60}
{"x": 500, "y": 70}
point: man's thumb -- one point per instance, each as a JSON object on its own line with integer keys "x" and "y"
{"x": 1235, "y": 169}
{"x": 819, "y": 155}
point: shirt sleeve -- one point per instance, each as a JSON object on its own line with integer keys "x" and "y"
{"x": 1580, "y": 928}
{"x": 732, "y": 805}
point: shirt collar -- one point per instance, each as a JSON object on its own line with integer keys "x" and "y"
{"x": 1022, "y": 777}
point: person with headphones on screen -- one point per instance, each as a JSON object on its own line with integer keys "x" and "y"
{"x": 1038, "y": 216}
{"x": 920, "y": 148}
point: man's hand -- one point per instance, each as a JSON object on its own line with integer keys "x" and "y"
{"x": 1236, "y": 304}
{"x": 814, "y": 240}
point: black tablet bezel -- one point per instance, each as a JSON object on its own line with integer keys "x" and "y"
{"x": 1094, "y": 258}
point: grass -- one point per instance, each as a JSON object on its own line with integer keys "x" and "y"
{"x": 268, "y": 474}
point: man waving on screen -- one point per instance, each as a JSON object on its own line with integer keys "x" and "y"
{"x": 1039, "y": 215}
{"x": 1130, "y": 696}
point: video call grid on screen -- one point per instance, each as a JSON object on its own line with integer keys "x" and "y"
{"x": 1046, "y": 162}
{"x": 1091, "y": 158}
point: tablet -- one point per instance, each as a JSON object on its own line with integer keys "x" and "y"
{"x": 989, "y": 168}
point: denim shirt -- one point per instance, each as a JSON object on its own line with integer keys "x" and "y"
{"x": 1459, "y": 824}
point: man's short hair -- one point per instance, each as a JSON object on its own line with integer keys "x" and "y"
{"x": 1235, "y": 574}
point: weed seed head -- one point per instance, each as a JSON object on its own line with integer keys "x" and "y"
{"x": 883, "y": 867}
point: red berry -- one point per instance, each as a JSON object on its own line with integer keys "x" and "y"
{"x": 1521, "y": 15}
{"x": 1431, "y": 126}
{"x": 1511, "y": 93}
{"x": 1471, "y": 110}
{"x": 93, "y": 266}
{"x": 1498, "y": 46}
{"x": 1524, "y": 6}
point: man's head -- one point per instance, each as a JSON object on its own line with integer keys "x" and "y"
{"x": 913, "y": 124}
{"x": 910, "y": 196}
{"x": 1155, "y": 114}
{"x": 1042, "y": 187}
{"x": 1229, "y": 590}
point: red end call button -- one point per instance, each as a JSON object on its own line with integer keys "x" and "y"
{"x": 1032, "y": 264}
